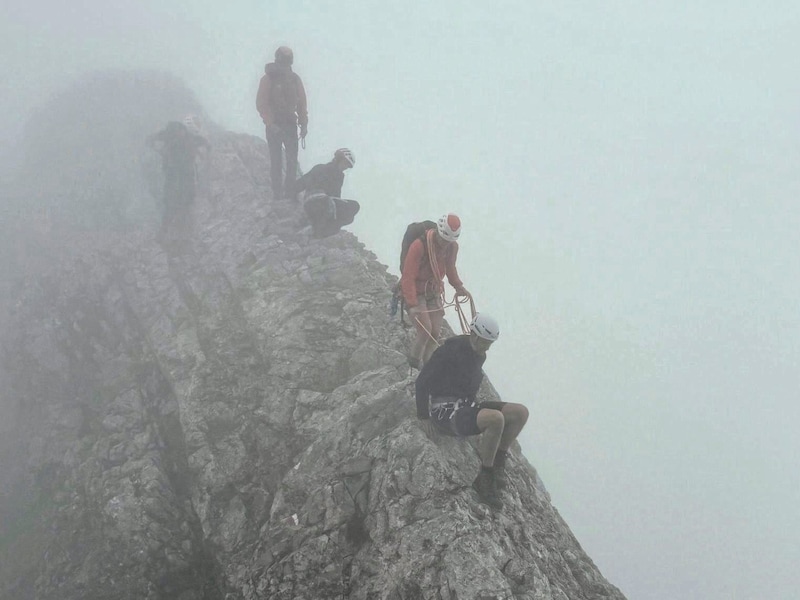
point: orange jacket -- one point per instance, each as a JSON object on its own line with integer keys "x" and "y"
{"x": 418, "y": 275}
{"x": 262, "y": 97}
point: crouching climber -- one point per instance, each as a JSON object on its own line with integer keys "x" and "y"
{"x": 323, "y": 204}
{"x": 446, "y": 394}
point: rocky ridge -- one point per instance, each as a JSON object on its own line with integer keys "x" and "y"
{"x": 230, "y": 415}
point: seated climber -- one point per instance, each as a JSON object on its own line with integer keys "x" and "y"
{"x": 446, "y": 393}
{"x": 323, "y": 204}
{"x": 430, "y": 257}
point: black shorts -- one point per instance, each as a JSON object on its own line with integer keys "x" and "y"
{"x": 465, "y": 420}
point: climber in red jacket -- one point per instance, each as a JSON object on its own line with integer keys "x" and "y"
{"x": 281, "y": 102}
{"x": 428, "y": 260}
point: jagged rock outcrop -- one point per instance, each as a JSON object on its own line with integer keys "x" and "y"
{"x": 231, "y": 416}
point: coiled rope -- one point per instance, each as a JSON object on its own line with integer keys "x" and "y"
{"x": 457, "y": 301}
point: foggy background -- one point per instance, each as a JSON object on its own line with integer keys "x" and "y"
{"x": 626, "y": 175}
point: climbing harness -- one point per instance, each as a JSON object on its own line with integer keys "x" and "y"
{"x": 443, "y": 411}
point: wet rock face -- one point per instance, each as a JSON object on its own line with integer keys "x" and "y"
{"x": 229, "y": 414}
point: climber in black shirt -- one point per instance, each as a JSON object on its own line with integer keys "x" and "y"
{"x": 323, "y": 204}
{"x": 446, "y": 394}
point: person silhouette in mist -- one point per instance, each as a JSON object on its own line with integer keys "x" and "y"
{"x": 446, "y": 397}
{"x": 178, "y": 146}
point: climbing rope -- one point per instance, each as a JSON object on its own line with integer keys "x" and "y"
{"x": 425, "y": 329}
{"x": 438, "y": 275}
{"x": 458, "y": 302}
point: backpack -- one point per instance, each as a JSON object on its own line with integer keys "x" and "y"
{"x": 283, "y": 96}
{"x": 414, "y": 231}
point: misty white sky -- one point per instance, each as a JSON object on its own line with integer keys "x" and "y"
{"x": 627, "y": 177}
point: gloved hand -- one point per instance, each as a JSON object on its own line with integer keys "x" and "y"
{"x": 303, "y": 131}
{"x": 462, "y": 291}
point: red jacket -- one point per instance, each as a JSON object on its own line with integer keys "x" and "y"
{"x": 419, "y": 277}
{"x": 262, "y": 98}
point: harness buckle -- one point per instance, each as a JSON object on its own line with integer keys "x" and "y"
{"x": 442, "y": 410}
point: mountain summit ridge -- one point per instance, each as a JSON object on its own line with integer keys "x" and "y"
{"x": 230, "y": 415}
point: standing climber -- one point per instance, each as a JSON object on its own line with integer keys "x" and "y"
{"x": 281, "y": 102}
{"x": 429, "y": 259}
{"x": 446, "y": 395}
{"x": 323, "y": 204}
{"x": 178, "y": 146}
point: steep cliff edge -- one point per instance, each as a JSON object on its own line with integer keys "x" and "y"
{"x": 233, "y": 417}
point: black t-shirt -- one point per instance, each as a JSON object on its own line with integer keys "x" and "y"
{"x": 326, "y": 178}
{"x": 454, "y": 369}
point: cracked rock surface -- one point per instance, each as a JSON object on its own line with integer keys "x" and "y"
{"x": 229, "y": 414}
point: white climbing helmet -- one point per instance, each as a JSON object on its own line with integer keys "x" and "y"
{"x": 485, "y": 327}
{"x": 346, "y": 154}
{"x": 449, "y": 227}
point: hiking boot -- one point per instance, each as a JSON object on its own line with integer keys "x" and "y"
{"x": 485, "y": 485}
{"x": 500, "y": 478}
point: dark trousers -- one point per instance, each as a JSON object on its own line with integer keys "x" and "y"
{"x": 280, "y": 136}
{"x": 328, "y": 215}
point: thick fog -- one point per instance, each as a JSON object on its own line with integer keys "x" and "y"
{"x": 627, "y": 177}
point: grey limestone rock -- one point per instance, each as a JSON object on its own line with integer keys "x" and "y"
{"x": 232, "y": 417}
